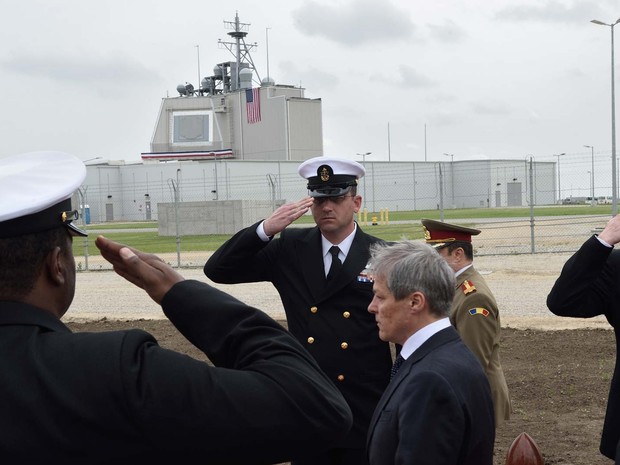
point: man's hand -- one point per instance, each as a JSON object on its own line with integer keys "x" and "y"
{"x": 285, "y": 215}
{"x": 611, "y": 233}
{"x": 146, "y": 271}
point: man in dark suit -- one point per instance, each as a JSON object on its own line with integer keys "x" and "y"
{"x": 589, "y": 285}
{"x": 118, "y": 397}
{"x": 438, "y": 407}
{"x": 325, "y": 297}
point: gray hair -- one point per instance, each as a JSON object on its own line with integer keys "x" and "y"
{"x": 409, "y": 266}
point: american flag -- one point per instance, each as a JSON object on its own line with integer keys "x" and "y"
{"x": 252, "y": 105}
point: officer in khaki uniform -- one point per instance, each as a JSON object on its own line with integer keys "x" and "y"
{"x": 474, "y": 311}
{"x": 325, "y": 296}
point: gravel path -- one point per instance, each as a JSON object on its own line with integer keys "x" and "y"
{"x": 520, "y": 283}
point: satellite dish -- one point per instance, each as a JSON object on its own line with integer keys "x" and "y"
{"x": 185, "y": 89}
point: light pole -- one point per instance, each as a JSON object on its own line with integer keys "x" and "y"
{"x": 614, "y": 193}
{"x": 363, "y": 155}
{"x": 593, "y": 198}
{"x": 91, "y": 159}
{"x": 590, "y": 176}
{"x": 451, "y": 155}
{"x": 559, "y": 187}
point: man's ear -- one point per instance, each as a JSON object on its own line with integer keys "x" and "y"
{"x": 357, "y": 202}
{"x": 55, "y": 267}
{"x": 417, "y": 300}
{"x": 459, "y": 253}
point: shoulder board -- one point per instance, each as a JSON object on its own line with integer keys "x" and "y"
{"x": 468, "y": 287}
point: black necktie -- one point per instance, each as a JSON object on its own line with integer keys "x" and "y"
{"x": 397, "y": 363}
{"x": 336, "y": 263}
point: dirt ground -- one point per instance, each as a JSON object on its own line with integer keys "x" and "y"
{"x": 558, "y": 369}
{"x": 558, "y": 381}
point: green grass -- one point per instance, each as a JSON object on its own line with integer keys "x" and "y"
{"x": 153, "y": 243}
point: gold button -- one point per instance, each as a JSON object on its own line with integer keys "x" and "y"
{"x": 344, "y": 345}
{"x": 314, "y": 309}
{"x": 340, "y": 377}
{"x": 346, "y": 314}
{"x": 310, "y": 340}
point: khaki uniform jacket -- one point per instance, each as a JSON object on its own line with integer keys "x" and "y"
{"x": 476, "y": 317}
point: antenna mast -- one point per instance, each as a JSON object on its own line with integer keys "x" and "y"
{"x": 239, "y": 49}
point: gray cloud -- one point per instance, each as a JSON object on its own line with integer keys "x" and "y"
{"x": 405, "y": 77}
{"x": 354, "y": 24}
{"x": 441, "y": 98}
{"x": 410, "y": 78}
{"x": 553, "y": 12}
{"x": 448, "y": 32}
{"x": 492, "y": 108}
{"x": 118, "y": 71}
{"x": 313, "y": 77}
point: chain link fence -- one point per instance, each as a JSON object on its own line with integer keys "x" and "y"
{"x": 209, "y": 201}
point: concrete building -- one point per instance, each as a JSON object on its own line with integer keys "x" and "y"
{"x": 231, "y": 145}
{"x": 229, "y": 117}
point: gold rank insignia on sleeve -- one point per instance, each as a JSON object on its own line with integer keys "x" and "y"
{"x": 468, "y": 287}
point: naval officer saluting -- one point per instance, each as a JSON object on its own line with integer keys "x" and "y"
{"x": 324, "y": 290}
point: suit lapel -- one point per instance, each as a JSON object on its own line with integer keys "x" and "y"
{"x": 444, "y": 336}
{"x": 310, "y": 255}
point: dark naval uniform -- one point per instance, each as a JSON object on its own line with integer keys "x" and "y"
{"x": 156, "y": 404}
{"x": 331, "y": 320}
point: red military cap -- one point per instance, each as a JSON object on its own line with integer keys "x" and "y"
{"x": 439, "y": 234}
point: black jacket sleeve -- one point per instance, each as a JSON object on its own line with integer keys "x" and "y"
{"x": 244, "y": 258}
{"x": 266, "y": 397}
{"x": 588, "y": 283}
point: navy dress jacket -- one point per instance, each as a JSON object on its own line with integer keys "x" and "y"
{"x": 118, "y": 397}
{"x": 331, "y": 321}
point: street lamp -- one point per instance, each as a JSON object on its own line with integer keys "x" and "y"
{"x": 451, "y": 155}
{"x": 559, "y": 187}
{"x": 614, "y": 193}
{"x": 592, "y": 148}
{"x": 363, "y": 155}
{"x": 591, "y": 187}
{"x": 91, "y": 159}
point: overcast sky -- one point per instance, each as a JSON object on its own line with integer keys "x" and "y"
{"x": 402, "y": 79}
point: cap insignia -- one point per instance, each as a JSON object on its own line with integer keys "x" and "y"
{"x": 324, "y": 173}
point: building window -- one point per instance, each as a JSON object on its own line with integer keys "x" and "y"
{"x": 191, "y": 128}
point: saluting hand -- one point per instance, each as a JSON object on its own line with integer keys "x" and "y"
{"x": 611, "y": 233}
{"x": 147, "y": 271}
{"x": 285, "y": 215}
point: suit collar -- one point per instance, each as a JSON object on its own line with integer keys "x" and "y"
{"x": 439, "y": 339}
{"x": 313, "y": 269}
{"x": 356, "y": 260}
{"x": 18, "y": 313}
{"x": 465, "y": 275}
